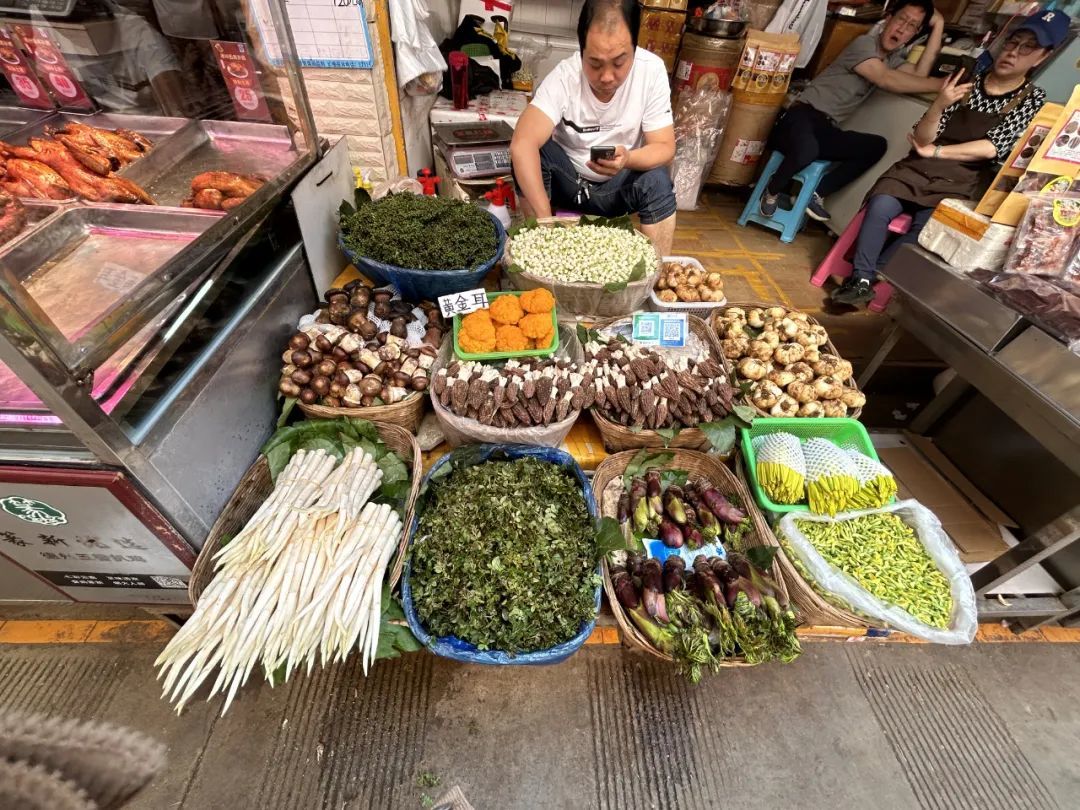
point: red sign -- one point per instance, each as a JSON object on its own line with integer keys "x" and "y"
{"x": 20, "y": 75}
{"x": 238, "y": 71}
{"x": 51, "y": 65}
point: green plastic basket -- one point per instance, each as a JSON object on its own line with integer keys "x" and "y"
{"x": 554, "y": 347}
{"x": 845, "y": 433}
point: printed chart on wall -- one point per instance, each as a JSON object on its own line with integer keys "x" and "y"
{"x": 327, "y": 33}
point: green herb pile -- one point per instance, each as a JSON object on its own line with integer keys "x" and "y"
{"x": 505, "y": 556}
{"x": 420, "y": 232}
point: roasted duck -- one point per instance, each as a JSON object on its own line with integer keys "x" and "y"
{"x": 12, "y": 218}
{"x": 83, "y": 182}
{"x": 32, "y": 178}
{"x": 120, "y": 147}
{"x": 221, "y": 191}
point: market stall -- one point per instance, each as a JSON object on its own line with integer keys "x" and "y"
{"x": 149, "y": 255}
{"x": 1028, "y": 374}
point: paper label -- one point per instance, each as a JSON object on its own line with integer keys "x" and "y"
{"x": 747, "y": 152}
{"x": 668, "y": 330}
{"x": 21, "y": 76}
{"x": 703, "y": 77}
{"x": 51, "y": 66}
{"x": 658, "y": 551}
{"x": 1067, "y": 213}
{"x": 1024, "y": 156}
{"x": 238, "y": 71}
{"x": 1066, "y": 145}
{"x": 463, "y": 303}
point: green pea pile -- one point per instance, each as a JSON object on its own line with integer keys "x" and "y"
{"x": 884, "y": 556}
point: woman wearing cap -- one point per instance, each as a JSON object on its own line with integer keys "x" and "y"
{"x": 954, "y": 146}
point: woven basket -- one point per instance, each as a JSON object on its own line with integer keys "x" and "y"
{"x": 580, "y": 298}
{"x": 811, "y": 607}
{"x": 617, "y": 437}
{"x": 698, "y": 465}
{"x": 830, "y": 347}
{"x": 256, "y": 486}
{"x": 405, "y": 414}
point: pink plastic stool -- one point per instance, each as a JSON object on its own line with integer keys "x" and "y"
{"x": 837, "y": 261}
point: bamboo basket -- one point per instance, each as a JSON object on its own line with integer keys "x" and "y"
{"x": 618, "y": 437}
{"x": 830, "y": 347}
{"x": 697, "y": 465}
{"x": 405, "y": 414}
{"x": 810, "y": 606}
{"x": 582, "y": 298}
{"x": 256, "y": 486}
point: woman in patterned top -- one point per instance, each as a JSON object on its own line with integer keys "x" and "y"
{"x": 969, "y": 127}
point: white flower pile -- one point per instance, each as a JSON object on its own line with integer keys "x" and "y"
{"x": 594, "y": 254}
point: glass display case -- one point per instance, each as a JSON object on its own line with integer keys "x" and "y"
{"x": 150, "y": 266}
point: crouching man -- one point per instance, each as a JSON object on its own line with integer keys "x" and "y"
{"x": 610, "y": 98}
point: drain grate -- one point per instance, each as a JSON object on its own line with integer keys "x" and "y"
{"x": 649, "y": 740}
{"x": 62, "y": 685}
{"x": 954, "y": 749}
{"x": 351, "y": 741}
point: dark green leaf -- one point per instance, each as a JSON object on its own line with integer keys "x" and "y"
{"x": 526, "y": 225}
{"x": 514, "y": 267}
{"x": 643, "y": 460}
{"x": 586, "y": 335}
{"x": 609, "y": 537}
{"x": 761, "y": 557}
{"x": 639, "y": 272}
{"x": 635, "y": 428}
{"x": 345, "y": 210}
{"x": 624, "y": 222}
{"x": 668, "y": 434}
{"x": 277, "y": 459}
{"x": 361, "y": 197}
{"x": 673, "y": 477}
{"x": 615, "y": 286}
{"x": 745, "y": 414}
{"x": 721, "y": 434}
{"x": 286, "y": 409}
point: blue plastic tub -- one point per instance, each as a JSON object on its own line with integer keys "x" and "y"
{"x": 455, "y": 648}
{"x": 419, "y": 285}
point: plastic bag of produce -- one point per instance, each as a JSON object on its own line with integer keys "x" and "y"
{"x": 963, "y": 616}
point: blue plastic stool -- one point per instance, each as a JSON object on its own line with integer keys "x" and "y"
{"x": 787, "y": 222}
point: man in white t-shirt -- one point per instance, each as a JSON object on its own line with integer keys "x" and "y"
{"x": 610, "y": 94}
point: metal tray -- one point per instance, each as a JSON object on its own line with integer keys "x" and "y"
{"x": 201, "y": 146}
{"x": 1048, "y": 366}
{"x": 954, "y": 298}
{"x": 37, "y": 211}
{"x": 79, "y": 268}
{"x": 12, "y": 119}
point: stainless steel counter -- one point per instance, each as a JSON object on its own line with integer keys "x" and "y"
{"x": 1031, "y": 377}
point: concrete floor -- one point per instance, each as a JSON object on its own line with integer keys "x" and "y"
{"x": 847, "y": 726}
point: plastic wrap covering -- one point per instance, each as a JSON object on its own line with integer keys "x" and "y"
{"x": 964, "y": 619}
{"x": 699, "y": 125}
{"x": 421, "y": 285}
{"x": 965, "y": 239}
{"x": 459, "y": 430}
{"x": 455, "y": 648}
{"x": 1047, "y": 238}
{"x": 1052, "y": 302}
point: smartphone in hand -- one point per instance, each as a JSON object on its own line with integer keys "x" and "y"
{"x": 601, "y": 153}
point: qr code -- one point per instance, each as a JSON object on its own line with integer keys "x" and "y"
{"x": 646, "y": 329}
{"x": 169, "y": 582}
{"x": 672, "y": 332}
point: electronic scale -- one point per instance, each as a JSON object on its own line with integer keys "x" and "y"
{"x": 476, "y": 149}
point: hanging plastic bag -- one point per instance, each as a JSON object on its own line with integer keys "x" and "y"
{"x": 963, "y": 620}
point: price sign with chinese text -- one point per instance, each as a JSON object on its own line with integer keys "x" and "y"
{"x": 463, "y": 303}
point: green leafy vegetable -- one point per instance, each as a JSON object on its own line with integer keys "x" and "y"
{"x": 668, "y": 434}
{"x": 505, "y": 556}
{"x": 722, "y": 433}
{"x": 609, "y": 537}
{"x": 526, "y": 225}
{"x": 395, "y": 637}
{"x": 421, "y": 232}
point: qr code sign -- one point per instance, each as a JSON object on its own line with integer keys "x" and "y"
{"x": 672, "y": 332}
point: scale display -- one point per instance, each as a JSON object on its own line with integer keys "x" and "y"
{"x": 480, "y": 162}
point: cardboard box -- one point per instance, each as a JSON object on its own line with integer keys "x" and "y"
{"x": 922, "y": 472}
{"x": 1055, "y": 166}
{"x": 1017, "y": 162}
{"x": 661, "y": 32}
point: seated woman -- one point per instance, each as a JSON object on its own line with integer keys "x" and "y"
{"x": 968, "y": 128}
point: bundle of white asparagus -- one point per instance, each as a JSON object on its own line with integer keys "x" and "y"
{"x": 302, "y": 581}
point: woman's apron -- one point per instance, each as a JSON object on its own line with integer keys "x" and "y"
{"x": 927, "y": 181}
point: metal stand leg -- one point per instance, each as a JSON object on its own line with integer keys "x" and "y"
{"x": 939, "y": 405}
{"x": 1048, "y": 540}
{"x": 887, "y": 343}
{"x": 1070, "y": 600}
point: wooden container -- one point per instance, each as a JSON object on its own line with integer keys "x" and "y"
{"x": 618, "y": 437}
{"x": 698, "y": 465}
{"x": 406, "y": 414}
{"x": 829, "y": 347}
{"x": 256, "y": 486}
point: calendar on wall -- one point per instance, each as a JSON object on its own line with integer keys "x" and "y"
{"x": 327, "y": 33}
